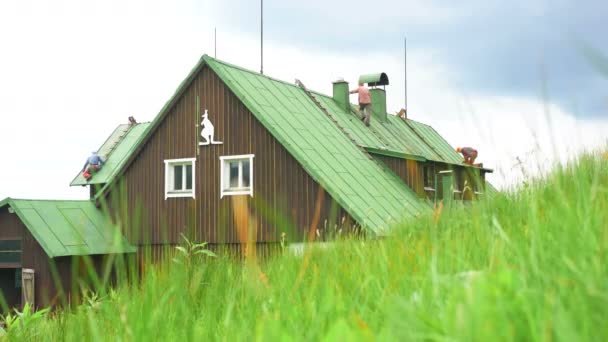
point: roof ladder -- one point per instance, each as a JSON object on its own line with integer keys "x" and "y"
{"x": 112, "y": 147}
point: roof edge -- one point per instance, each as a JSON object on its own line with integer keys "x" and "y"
{"x": 395, "y": 154}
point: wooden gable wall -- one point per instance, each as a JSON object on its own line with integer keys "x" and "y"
{"x": 285, "y": 197}
{"x": 410, "y": 171}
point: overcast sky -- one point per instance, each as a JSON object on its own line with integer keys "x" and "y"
{"x": 510, "y": 78}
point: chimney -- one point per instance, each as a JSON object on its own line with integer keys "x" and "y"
{"x": 378, "y": 104}
{"x": 340, "y": 94}
{"x": 378, "y": 95}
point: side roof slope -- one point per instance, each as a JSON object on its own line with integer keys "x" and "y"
{"x": 116, "y": 150}
{"x": 65, "y": 228}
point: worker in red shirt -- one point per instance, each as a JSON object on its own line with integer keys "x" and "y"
{"x": 365, "y": 102}
{"x": 469, "y": 154}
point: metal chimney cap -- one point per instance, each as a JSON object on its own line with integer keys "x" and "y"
{"x": 379, "y": 79}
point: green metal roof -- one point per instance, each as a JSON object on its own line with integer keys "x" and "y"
{"x": 65, "y": 228}
{"x": 373, "y": 196}
{"x": 116, "y": 150}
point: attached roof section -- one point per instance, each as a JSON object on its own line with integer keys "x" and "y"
{"x": 65, "y": 228}
{"x": 115, "y": 150}
{"x": 409, "y": 138}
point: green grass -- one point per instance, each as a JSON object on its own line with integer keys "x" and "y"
{"x": 531, "y": 264}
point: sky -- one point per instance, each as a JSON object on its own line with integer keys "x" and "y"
{"x": 524, "y": 82}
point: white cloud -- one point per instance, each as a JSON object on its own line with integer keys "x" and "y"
{"x": 73, "y": 73}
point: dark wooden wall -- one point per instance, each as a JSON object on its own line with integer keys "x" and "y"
{"x": 466, "y": 180}
{"x": 11, "y": 227}
{"x": 53, "y": 282}
{"x": 285, "y": 196}
{"x": 410, "y": 171}
{"x": 11, "y": 293}
{"x": 32, "y": 256}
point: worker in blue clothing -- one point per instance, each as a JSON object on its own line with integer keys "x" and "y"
{"x": 92, "y": 165}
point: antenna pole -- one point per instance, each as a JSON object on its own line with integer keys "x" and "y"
{"x": 262, "y": 37}
{"x": 405, "y": 70}
{"x": 215, "y": 42}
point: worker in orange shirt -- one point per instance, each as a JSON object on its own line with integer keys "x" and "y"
{"x": 469, "y": 154}
{"x": 365, "y": 102}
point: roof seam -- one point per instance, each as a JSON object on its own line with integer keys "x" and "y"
{"x": 84, "y": 241}
{"x": 35, "y": 234}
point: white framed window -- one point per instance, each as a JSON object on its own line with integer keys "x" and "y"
{"x": 180, "y": 179}
{"x": 236, "y": 175}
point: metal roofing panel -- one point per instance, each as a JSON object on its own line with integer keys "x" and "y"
{"x": 69, "y": 227}
{"x": 447, "y": 152}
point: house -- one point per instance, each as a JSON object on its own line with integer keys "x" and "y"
{"x": 53, "y": 241}
{"x": 301, "y": 159}
{"x": 237, "y": 156}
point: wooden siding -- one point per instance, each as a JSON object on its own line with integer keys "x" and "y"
{"x": 11, "y": 227}
{"x": 285, "y": 197}
{"x": 466, "y": 180}
{"x": 410, "y": 171}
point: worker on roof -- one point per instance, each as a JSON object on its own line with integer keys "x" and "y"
{"x": 92, "y": 165}
{"x": 469, "y": 154}
{"x": 365, "y": 102}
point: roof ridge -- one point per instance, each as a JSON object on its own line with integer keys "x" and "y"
{"x": 416, "y": 121}
{"x": 262, "y": 75}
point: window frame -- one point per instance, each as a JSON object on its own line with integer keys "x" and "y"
{"x": 225, "y": 176}
{"x": 428, "y": 178}
{"x": 169, "y": 180}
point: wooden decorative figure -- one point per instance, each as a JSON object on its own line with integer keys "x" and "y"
{"x": 208, "y": 131}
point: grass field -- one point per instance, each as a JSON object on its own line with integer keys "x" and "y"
{"x": 531, "y": 264}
